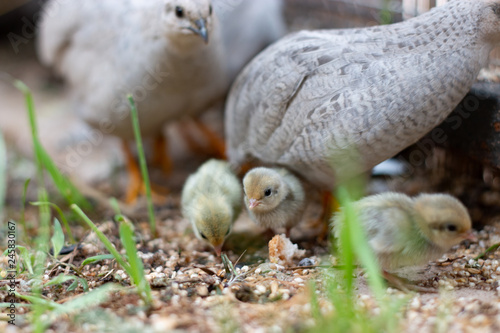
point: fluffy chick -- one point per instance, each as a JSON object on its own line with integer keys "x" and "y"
{"x": 404, "y": 231}
{"x": 211, "y": 201}
{"x": 274, "y": 197}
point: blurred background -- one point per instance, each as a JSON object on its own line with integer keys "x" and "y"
{"x": 61, "y": 131}
{"x": 69, "y": 141}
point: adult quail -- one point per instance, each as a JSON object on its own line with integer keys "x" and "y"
{"x": 318, "y": 102}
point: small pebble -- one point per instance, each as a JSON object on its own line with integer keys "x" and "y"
{"x": 202, "y": 290}
{"x": 307, "y": 262}
{"x": 260, "y": 289}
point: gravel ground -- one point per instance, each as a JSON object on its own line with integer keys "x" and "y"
{"x": 192, "y": 292}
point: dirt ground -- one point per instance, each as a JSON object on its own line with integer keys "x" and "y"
{"x": 191, "y": 290}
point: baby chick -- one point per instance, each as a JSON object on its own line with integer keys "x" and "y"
{"x": 211, "y": 201}
{"x": 274, "y": 197}
{"x": 404, "y": 231}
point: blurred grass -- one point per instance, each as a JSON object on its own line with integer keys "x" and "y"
{"x": 61, "y": 216}
{"x": 339, "y": 286}
{"x": 142, "y": 163}
{"x": 42, "y": 239}
{"x": 33, "y": 261}
{"x": 3, "y": 175}
{"x": 52, "y": 311}
{"x": 44, "y": 161}
{"x": 385, "y": 13}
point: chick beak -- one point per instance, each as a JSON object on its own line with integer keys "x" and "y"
{"x": 201, "y": 29}
{"x": 218, "y": 249}
{"x": 470, "y": 235}
{"x": 252, "y": 203}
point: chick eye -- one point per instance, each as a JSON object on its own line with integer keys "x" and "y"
{"x": 228, "y": 231}
{"x": 267, "y": 192}
{"x": 203, "y": 236}
{"x": 451, "y": 227}
{"x": 179, "y": 12}
{"x": 210, "y": 10}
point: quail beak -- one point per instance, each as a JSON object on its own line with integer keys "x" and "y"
{"x": 252, "y": 203}
{"x": 218, "y": 249}
{"x": 201, "y": 29}
{"x": 470, "y": 236}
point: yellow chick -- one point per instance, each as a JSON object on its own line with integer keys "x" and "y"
{"x": 211, "y": 201}
{"x": 404, "y": 231}
{"x": 274, "y": 197}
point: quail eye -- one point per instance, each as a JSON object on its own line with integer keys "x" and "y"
{"x": 267, "y": 192}
{"x": 496, "y": 9}
{"x": 210, "y": 10}
{"x": 228, "y": 231}
{"x": 203, "y": 236}
{"x": 179, "y": 12}
{"x": 451, "y": 227}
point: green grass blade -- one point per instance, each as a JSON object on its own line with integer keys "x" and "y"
{"x": 61, "y": 278}
{"x": 109, "y": 246}
{"x": 356, "y": 240}
{"x": 43, "y": 159}
{"x": 57, "y": 239}
{"x": 89, "y": 300}
{"x": 142, "y": 163}
{"x": 136, "y": 267}
{"x": 26, "y": 257}
{"x": 346, "y": 247}
{"x": 115, "y": 206}
{"x": 94, "y": 259}
{"x": 315, "y": 307}
{"x": 42, "y": 302}
{"x": 228, "y": 266}
{"x": 3, "y": 175}
{"x": 76, "y": 305}
{"x": 42, "y": 193}
{"x": 63, "y": 184}
{"x": 23, "y": 207}
{"x": 61, "y": 215}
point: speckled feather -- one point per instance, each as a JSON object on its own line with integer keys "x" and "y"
{"x": 311, "y": 95}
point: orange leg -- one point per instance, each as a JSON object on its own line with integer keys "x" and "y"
{"x": 160, "y": 154}
{"x": 244, "y": 168}
{"x": 329, "y": 206}
{"x": 136, "y": 184}
{"x": 135, "y": 179}
{"x": 215, "y": 142}
{"x": 216, "y": 146}
{"x": 194, "y": 146}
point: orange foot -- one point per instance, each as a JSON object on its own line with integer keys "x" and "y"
{"x": 136, "y": 185}
{"x": 216, "y": 145}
